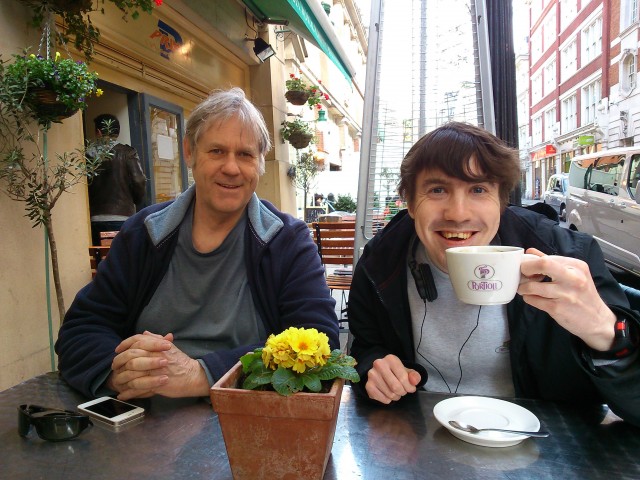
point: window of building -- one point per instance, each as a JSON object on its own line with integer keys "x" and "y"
{"x": 590, "y": 98}
{"x": 550, "y": 125}
{"x": 536, "y": 88}
{"x": 628, "y": 13}
{"x": 591, "y": 41}
{"x": 549, "y": 30}
{"x": 568, "y": 10}
{"x": 536, "y": 45}
{"x": 550, "y": 77}
{"x": 569, "y": 114}
{"x": 536, "y": 132}
{"x": 628, "y": 72}
{"x": 568, "y": 60}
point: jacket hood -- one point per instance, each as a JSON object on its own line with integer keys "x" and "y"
{"x": 163, "y": 223}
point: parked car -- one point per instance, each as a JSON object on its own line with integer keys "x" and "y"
{"x": 557, "y": 193}
{"x": 604, "y": 202}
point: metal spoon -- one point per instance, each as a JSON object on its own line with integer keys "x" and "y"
{"x": 471, "y": 429}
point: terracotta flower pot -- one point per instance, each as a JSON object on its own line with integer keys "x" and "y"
{"x": 270, "y": 436}
{"x": 300, "y": 140}
{"x": 297, "y": 97}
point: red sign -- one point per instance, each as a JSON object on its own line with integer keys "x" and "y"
{"x": 550, "y": 149}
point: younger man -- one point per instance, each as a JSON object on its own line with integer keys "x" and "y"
{"x": 568, "y": 336}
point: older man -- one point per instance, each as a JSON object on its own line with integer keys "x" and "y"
{"x": 571, "y": 337}
{"x": 191, "y": 285}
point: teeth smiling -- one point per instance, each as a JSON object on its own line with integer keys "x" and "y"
{"x": 459, "y": 235}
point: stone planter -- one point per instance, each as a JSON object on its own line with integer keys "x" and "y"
{"x": 270, "y": 436}
{"x": 296, "y": 97}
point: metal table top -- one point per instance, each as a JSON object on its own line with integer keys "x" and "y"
{"x": 181, "y": 439}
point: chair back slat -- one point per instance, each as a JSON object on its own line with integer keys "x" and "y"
{"x": 335, "y": 241}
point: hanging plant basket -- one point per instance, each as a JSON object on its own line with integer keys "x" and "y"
{"x": 46, "y": 108}
{"x": 296, "y": 97}
{"x": 60, "y": 6}
{"x": 300, "y": 140}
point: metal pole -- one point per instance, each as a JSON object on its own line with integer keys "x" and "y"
{"x": 484, "y": 62}
{"x": 370, "y": 96}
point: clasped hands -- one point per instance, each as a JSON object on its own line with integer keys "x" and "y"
{"x": 570, "y": 298}
{"x": 148, "y": 364}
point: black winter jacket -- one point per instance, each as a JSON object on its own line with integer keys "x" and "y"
{"x": 547, "y": 361}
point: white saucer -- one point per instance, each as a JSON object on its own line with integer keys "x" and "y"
{"x": 486, "y": 412}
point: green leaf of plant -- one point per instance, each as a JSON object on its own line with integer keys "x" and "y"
{"x": 329, "y": 372}
{"x": 312, "y": 382}
{"x": 250, "y": 358}
{"x": 256, "y": 380}
{"x": 286, "y": 382}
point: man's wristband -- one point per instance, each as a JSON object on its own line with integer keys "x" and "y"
{"x": 625, "y": 342}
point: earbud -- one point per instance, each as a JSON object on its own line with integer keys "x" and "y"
{"x": 422, "y": 276}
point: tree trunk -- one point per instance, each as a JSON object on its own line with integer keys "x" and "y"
{"x": 55, "y": 267}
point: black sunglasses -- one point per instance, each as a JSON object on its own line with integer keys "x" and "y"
{"x": 51, "y": 424}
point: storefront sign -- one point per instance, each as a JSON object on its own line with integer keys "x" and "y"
{"x": 584, "y": 140}
{"x": 170, "y": 39}
{"x": 543, "y": 152}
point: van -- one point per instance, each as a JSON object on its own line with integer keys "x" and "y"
{"x": 557, "y": 193}
{"x": 603, "y": 201}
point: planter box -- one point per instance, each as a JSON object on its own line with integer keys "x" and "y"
{"x": 270, "y": 436}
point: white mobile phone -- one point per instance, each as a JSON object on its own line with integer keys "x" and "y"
{"x": 111, "y": 410}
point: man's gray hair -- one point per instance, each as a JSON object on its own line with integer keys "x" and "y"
{"x": 223, "y": 105}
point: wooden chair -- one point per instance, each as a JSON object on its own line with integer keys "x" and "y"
{"x": 96, "y": 255}
{"x": 335, "y": 241}
{"x": 98, "y": 252}
{"x": 107, "y": 237}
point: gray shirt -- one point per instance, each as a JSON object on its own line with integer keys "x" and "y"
{"x": 440, "y": 331}
{"x": 204, "y": 299}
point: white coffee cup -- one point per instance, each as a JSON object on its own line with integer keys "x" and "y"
{"x": 485, "y": 275}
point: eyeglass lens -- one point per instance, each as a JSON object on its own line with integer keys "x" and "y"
{"x": 51, "y": 424}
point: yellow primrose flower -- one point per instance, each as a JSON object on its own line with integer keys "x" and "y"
{"x": 99, "y": 92}
{"x": 294, "y": 360}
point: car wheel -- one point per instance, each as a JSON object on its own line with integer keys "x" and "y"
{"x": 563, "y": 213}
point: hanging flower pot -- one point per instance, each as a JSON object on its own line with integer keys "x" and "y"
{"x": 45, "y": 105}
{"x": 300, "y": 140}
{"x": 296, "y": 97}
{"x": 60, "y": 6}
{"x": 298, "y": 133}
{"x": 55, "y": 88}
{"x": 277, "y": 420}
{"x": 299, "y": 93}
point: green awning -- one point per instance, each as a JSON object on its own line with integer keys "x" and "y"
{"x": 306, "y": 21}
